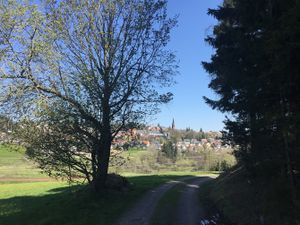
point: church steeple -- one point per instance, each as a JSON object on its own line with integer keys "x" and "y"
{"x": 173, "y": 124}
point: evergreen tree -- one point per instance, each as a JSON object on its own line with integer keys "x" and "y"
{"x": 236, "y": 69}
{"x": 255, "y": 72}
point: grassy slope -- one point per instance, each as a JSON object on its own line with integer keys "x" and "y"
{"x": 145, "y": 161}
{"x": 14, "y": 165}
{"x": 246, "y": 202}
{"x": 53, "y": 202}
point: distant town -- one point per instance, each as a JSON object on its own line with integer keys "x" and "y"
{"x": 154, "y": 137}
{"x": 151, "y": 136}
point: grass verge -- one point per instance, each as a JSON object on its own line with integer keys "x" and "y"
{"x": 166, "y": 209}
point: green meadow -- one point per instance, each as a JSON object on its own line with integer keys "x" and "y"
{"x": 30, "y": 198}
{"x": 14, "y": 166}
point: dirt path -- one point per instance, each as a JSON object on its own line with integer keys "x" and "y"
{"x": 142, "y": 211}
{"x": 189, "y": 212}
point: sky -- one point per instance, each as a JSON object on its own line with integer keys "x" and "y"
{"x": 187, "y": 40}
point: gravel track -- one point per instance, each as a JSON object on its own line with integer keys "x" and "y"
{"x": 189, "y": 211}
{"x": 142, "y": 211}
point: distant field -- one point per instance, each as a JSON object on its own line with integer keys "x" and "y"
{"x": 151, "y": 161}
{"x": 14, "y": 166}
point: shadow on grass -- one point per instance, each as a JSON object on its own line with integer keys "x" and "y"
{"x": 70, "y": 189}
{"x": 75, "y": 205}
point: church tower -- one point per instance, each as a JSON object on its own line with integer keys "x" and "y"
{"x": 173, "y": 124}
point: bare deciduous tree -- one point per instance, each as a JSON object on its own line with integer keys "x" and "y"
{"x": 80, "y": 71}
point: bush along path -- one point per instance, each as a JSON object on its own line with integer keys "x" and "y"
{"x": 186, "y": 207}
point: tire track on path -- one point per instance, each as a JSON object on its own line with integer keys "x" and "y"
{"x": 189, "y": 211}
{"x": 142, "y": 211}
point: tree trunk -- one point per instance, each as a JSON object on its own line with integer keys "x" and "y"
{"x": 251, "y": 154}
{"x": 285, "y": 127}
{"x": 105, "y": 144}
{"x": 103, "y": 163}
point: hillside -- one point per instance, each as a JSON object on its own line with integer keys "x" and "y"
{"x": 14, "y": 166}
{"x": 245, "y": 200}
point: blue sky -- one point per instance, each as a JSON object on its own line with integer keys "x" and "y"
{"x": 187, "y": 40}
